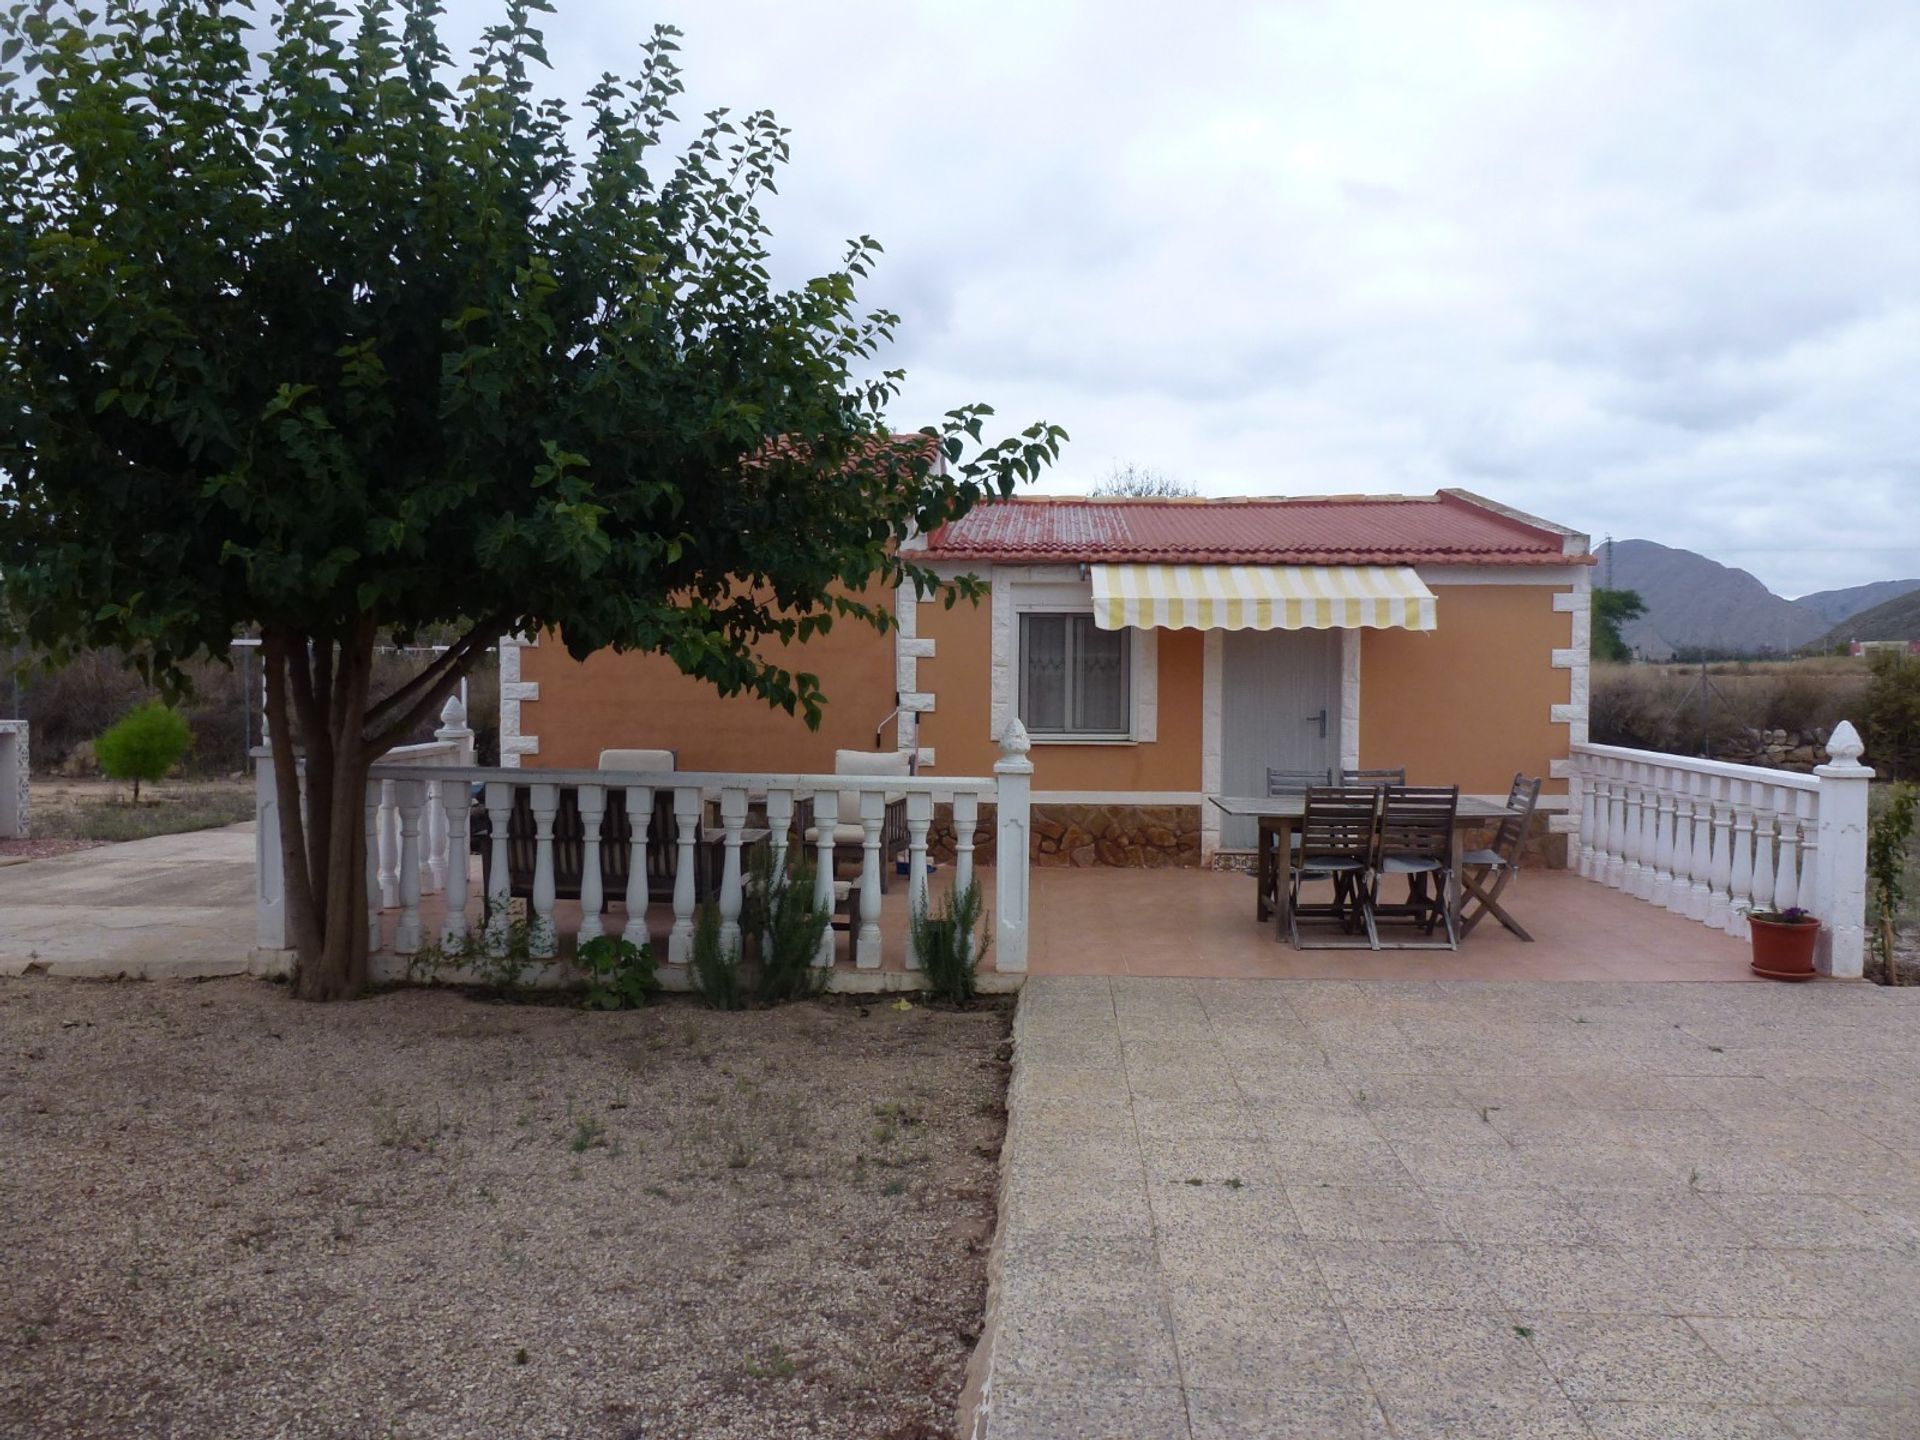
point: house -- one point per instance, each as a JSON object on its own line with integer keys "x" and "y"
{"x": 1157, "y": 652}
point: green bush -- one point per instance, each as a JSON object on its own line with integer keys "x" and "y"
{"x": 716, "y": 968}
{"x": 1887, "y": 863}
{"x": 782, "y": 920}
{"x": 144, "y": 744}
{"x": 950, "y": 941}
{"x": 1890, "y": 721}
{"x": 618, "y": 973}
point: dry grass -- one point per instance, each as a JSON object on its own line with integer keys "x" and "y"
{"x": 422, "y": 1215}
{"x": 103, "y": 810}
{"x": 1658, "y": 707}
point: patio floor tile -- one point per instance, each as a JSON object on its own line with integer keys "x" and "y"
{"x": 1025, "y": 1410}
{"x": 1413, "y": 1357}
{"x": 1639, "y": 1358}
{"x": 1328, "y": 1414}
{"x": 1616, "y": 1420}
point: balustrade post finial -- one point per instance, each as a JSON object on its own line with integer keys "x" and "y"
{"x": 1844, "y": 746}
{"x": 453, "y": 715}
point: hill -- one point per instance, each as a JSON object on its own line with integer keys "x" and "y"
{"x": 1897, "y": 619}
{"x": 1834, "y": 606}
{"x": 1697, "y": 603}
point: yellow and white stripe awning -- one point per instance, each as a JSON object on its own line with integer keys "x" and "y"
{"x": 1260, "y": 597}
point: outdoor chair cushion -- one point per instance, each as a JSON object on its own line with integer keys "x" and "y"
{"x": 1409, "y": 865}
{"x": 1482, "y": 857}
{"x": 643, "y": 761}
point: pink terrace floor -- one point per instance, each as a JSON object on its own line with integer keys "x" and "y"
{"x": 1200, "y": 924}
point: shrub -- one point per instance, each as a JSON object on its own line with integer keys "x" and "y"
{"x": 716, "y": 968}
{"x": 951, "y": 941}
{"x": 1887, "y": 838}
{"x": 618, "y": 973}
{"x": 786, "y": 924}
{"x": 145, "y": 744}
{"x": 1890, "y": 720}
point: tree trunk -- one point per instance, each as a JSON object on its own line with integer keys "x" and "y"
{"x": 327, "y": 733}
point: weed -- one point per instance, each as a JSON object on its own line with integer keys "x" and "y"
{"x": 950, "y": 941}
{"x": 894, "y": 1187}
{"x": 1486, "y": 1114}
{"x": 1233, "y": 1182}
{"x": 787, "y": 925}
{"x": 1718, "y": 1049}
{"x": 1195, "y": 1180}
{"x": 659, "y": 1192}
{"x": 520, "y": 1356}
{"x": 740, "y": 1153}
{"x": 1525, "y": 1332}
{"x": 1693, "y": 1178}
{"x": 778, "y": 1365}
{"x": 498, "y": 955}
{"x": 588, "y": 1134}
{"x": 716, "y": 968}
{"x": 618, "y": 973}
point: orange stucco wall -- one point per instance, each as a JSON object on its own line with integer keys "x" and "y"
{"x": 631, "y": 701}
{"x": 960, "y": 677}
{"x": 1468, "y": 703}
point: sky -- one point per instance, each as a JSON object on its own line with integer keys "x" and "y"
{"x": 1645, "y": 269}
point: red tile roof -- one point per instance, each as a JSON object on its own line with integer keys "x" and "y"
{"x": 1451, "y": 527}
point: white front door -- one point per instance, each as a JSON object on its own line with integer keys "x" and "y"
{"x": 1279, "y": 709}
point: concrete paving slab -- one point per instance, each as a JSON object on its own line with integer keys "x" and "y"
{"x": 1458, "y": 1212}
{"x": 178, "y": 906}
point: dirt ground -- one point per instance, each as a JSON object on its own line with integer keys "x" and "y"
{"x": 429, "y": 1215}
{"x": 71, "y": 814}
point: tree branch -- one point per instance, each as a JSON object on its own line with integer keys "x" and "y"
{"x": 451, "y": 658}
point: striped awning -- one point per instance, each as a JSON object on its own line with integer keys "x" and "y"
{"x": 1260, "y": 597}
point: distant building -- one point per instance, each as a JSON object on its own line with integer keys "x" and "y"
{"x": 1884, "y": 647}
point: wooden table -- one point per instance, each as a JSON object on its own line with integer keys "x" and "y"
{"x": 1278, "y": 814}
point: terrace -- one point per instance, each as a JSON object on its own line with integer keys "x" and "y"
{"x": 1666, "y": 857}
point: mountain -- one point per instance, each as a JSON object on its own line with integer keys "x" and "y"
{"x": 1897, "y": 619}
{"x": 1833, "y": 606}
{"x": 1697, "y": 603}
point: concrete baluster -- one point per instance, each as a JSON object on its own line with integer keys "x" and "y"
{"x": 499, "y": 879}
{"x": 455, "y": 812}
{"x": 826, "y": 820}
{"x": 733, "y": 820}
{"x": 546, "y": 806}
{"x": 409, "y": 796}
{"x": 919, "y": 820}
{"x": 966, "y": 820}
{"x": 593, "y": 809}
{"x": 639, "y": 822}
{"x": 686, "y": 819}
{"x": 873, "y": 810}
{"x": 389, "y": 848}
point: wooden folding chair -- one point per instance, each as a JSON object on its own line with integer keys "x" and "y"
{"x": 1291, "y": 782}
{"x": 1416, "y": 840}
{"x": 1337, "y": 835}
{"x": 1485, "y": 873}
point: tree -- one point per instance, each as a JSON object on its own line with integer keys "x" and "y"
{"x": 143, "y": 744}
{"x": 1139, "y": 482}
{"x": 301, "y": 330}
{"x": 1610, "y": 610}
{"x": 1891, "y": 716}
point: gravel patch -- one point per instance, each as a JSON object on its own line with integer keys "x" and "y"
{"x": 428, "y": 1215}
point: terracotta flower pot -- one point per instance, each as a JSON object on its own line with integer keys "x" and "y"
{"x": 1783, "y": 950}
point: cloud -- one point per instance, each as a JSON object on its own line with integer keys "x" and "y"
{"x": 1648, "y": 270}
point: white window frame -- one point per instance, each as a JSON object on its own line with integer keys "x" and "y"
{"x": 1069, "y": 737}
{"x": 1018, "y": 589}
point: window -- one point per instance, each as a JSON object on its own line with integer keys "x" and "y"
{"x": 1073, "y": 677}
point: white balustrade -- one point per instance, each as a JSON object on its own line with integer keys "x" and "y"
{"x": 1712, "y": 840}
{"x": 424, "y": 812}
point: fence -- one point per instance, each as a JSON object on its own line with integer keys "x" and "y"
{"x": 1712, "y": 840}
{"x": 673, "y": 824}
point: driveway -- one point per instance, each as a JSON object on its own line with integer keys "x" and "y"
{"x": 1363, "y": 1209}
{"x": 175, "y": 905}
